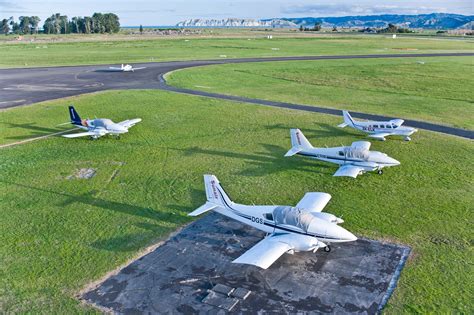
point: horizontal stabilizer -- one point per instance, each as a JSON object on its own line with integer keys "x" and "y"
{"x": 342, "y": 125}
{"x": 293, "y": 151}
{"x": 204, "y": 208}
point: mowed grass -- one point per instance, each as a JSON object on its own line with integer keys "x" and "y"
{"x": 58, "y": 234}
{"x": 429, "y": 89}
{"x": 75, "y": 52}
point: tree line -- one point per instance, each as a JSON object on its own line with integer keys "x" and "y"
{"x": 60, "y": 24}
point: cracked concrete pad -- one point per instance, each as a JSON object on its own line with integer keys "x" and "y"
{"x": 177, "y": 276}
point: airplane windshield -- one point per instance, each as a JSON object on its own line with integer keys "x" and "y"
{"x": 293, "y": 216}
{"x": 356, "y": 153}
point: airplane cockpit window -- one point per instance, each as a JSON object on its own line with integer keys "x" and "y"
{"x": 341, "y": 153}
{"x": 376, "y": 126}
{"x": 268, "y": 216}
{"x": 388, "y": 127}
{"x": 394, "y": 126}
{"x": 299, "y": 218}
{"x": 356, "y": 153}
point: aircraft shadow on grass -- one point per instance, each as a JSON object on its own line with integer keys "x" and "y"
{"x": 326, "y": 130}
{"x": 269, "y": 161}
{"x": 36, "y": 131}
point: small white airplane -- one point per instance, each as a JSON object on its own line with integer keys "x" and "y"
{"x": 97, "y": 128}
{"x": 353, "y": 160}
{"x": 379, "y": 129}
{"x": 290, "y": 229}
{"x": 125, "y": 68}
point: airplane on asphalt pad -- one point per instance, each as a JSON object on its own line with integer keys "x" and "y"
{"x": 290, "y": 229}
{"x": 379, "y": 129}
{"x": 353, "y": 160}
{"x": 98, "y": 127}
{"x": 125, "y": 68}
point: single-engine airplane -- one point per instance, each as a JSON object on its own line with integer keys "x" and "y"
{"x": 290, "y": 229}
{"x": 125, "y": 68}
{"x": 379, "y": 129}
{"x": 353, "y": 160}
{"x": 97, "y": 128}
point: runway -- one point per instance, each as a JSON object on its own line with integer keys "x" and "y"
{"x": 23, "y": 86}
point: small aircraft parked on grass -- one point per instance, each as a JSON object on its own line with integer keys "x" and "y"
{"x": 125, "y": 68}
{"x": 97, "y": 128}
{"x": 290, "y": 229}
{"x": 379, "y": 129}
{"x": 353, "y": 160}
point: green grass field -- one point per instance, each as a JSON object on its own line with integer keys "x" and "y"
{"x": 437, "y": 91}
{"x": 59, "y": 234}
{"x": 91, "y": 51}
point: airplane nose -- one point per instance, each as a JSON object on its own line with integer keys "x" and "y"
{"x": 392, "y": 161}
{"x": 340, "y": 233}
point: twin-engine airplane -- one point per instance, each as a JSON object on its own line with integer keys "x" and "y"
{"x": 290, "y": 229}
{"x": 125, "y": 68}
{"x": 379, "y": 129}
{"x": 353, "y": 160}
{"x": 97, "y": 128}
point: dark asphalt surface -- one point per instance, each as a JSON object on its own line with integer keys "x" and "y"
{"x": 178, "y": 276}
{"x": 22, "y": 86}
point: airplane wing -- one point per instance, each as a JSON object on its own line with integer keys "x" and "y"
{"x": 380, "y": 136}
{"x": 343, "y": 125}
{"x": 265, "y": 252}
{"x": 314, "y": 201}
{"x": 361, "y": 145}
{"x": 129, "y": 122}
{"x": 81, "y": 134}
{"x": 348, "y": 170}
{"x": 115, "y": 69}
{"x": 139, "y": 68}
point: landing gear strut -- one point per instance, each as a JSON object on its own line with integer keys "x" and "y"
{"x": 380, "y": 172}
{"x": 327, "y": 249}
{"x": 407, "y": 139}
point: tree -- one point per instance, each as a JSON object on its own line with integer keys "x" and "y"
{"x": 34, "y": 22}
{"x": 141, "y": 29}
{"x": 301, "y": 28}
{"x": 317, "y": 26}
{"x": 5, "y": 26}
{"x": 15, "y": 26}
{"x": 334, "y": 29}
{"x": 24, "y": 26}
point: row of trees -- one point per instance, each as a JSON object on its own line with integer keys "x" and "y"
{"x": 60, "y": 24}
{"x": 25, "y": 25}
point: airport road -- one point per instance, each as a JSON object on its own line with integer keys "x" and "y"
{"x": 23, "y": 86}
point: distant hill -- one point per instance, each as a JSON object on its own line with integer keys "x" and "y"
{"x": 232, "y": 22}
{"x": 429, "y": 21}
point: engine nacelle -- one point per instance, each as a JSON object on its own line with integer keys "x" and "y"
{"x": 328, "y": 217}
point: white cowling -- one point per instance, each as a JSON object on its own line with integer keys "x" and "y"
{"x": 328, "y": 217}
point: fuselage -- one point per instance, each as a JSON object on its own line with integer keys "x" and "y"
{"x": 374, "y": 127}
{"x": 285, "y": 219}
{"x": 371, "y": 160}
{"x": 107, "y": 125}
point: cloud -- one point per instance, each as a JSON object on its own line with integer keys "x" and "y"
{"x": 347, "y": 9}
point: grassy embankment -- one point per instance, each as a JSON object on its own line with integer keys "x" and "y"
{"x": 429, "y": 89}
{"x": 101, "y": 49}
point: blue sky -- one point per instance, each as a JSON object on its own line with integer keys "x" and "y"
{"x": 159, "y": 12}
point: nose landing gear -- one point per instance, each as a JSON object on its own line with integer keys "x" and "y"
{"x": 407, "y": 139}
{"x": 380, "y": 172}
{"x": 327, "y": 249}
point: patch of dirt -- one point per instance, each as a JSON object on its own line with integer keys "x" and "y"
{"x": 83, "y": 173}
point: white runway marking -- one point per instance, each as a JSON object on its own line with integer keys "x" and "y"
{"x": 16, "y": 101}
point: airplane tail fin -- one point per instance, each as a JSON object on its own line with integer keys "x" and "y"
{"x": 348, "y": 121}
{"x": 216, "y": 196}
{"x": 75, "y": 118}
{"x": 298, "y": 142}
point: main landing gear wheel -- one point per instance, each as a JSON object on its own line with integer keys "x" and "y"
{"x": 327, "y": 249}
{"x": 380, "y": 172}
